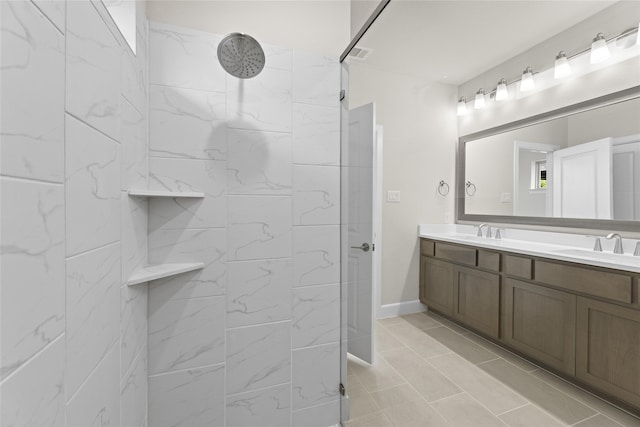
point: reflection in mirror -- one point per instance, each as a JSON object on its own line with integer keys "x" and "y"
{"x": 583, "y": 165}
{"x": 123, "y": 13}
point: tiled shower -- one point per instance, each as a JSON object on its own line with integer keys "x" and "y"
{"x": 252, "y": 339}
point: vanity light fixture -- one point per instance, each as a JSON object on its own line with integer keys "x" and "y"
{"x": 527, "y": 83}
{"x": 599, "y": 49}
{"x": 502, "y": 93}
{"x": 562, "y": 68}
{"x": 462, "y": 106}
{"x": 479, "y": 103}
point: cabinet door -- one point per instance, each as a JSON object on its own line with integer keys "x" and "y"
{"x": 541, "y": 322}
{"x": 608, "y": 349}
{"x": 476, "y": 300}
{"x": 436, "y": 283}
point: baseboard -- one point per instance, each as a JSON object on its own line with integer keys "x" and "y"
{"x": 400, "y": 308}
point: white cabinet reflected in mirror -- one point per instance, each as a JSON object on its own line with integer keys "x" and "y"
{"x": 123, "y": 13}
{"x": 584, "y": 165}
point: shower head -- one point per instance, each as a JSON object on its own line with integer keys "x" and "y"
{"x": 241, "y": 55}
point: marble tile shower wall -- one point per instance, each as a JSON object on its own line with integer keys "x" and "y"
{"x": 253, "y": 338}
{"x": 74, "y": 138}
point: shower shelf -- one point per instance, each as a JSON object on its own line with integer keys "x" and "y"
{"x": 155, "y": 193}
{"x": 160, "y": 271}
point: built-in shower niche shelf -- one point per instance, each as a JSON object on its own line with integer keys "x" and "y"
{"x": 155, "y": 193}
{"x": 160, "y": 271}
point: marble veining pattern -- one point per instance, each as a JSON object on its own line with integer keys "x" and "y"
{"x": 97, "y": 402}
{"x": 134, "y": 143}
{"x": 316, "y": 257}
{"x": 54, "y": 10}
{"x": 316, "y": 79}
{"x": 32, "y": 104}
{"x": 316, "y": 375}
{"x": 316, "y": 315}
{"x": 93, "y": 311}
{"x": 92, "y": 188}
{"x": 185, "y": 333}
{"x": 259, "y": 162}
{"x": 259, "y": 292}
{"x": 32, "y": 273}
{"x": 265, "y": 407}
{"x": 184, "y": 58}
{"x": 316, "y": 135}
{"x": 258, "y": 356}
{"x": 187, "y": 175}
{"x": 316, "y": 195}
{"x": 133, "y": 324}
{"x": 133, "y": 392}
{"x": 324, "y": 415}
{"x": 259, "y": 227}
{"x": 199, "y": 245}
{"x": 93, "y": 69}
{"x": 261, "y": 103}
{"x": 192, "y": 397}
{"x": 34, "y": 396}
{"x": 187, "y": 123}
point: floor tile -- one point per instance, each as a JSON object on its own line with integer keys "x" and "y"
{"x": 431, "y": 384}
{"x": 462, "y": 410}
{"x": 501, "y": 352}
{"x": 421, "y": 343}
{"x": 490, "y": 392}
{"x": 360, "y": 401}
{"x": 421, "y": 320}
{"x": 449, "y": 324}
{"x": 375, "y": 419}
{"x": 588, "y": 399}
{"x": 538, "y": 392}
{"x": 377, "y": 376}
{"x": 394, "y": 396}
{"x": 598, "y": 421}
{"x": 530, "y": 416}
{"x": 384, "y": 340}
{"x": 388, "y": 321}
{"x": 417, "y": 413}
{"x": 460, "y": 345}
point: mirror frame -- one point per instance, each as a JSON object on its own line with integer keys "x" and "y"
{"x": 596, "y": 224}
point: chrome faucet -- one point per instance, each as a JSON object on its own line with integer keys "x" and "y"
{"x": 637, "y": 251}
{"x": 597, "y": 245}
{"x": 618, "y": 247}
{"x": 488, "y": 230}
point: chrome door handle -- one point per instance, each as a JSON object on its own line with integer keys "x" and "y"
{"x": 364, "y": 247}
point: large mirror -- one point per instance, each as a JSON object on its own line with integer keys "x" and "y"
{"x": 578, "y": 166}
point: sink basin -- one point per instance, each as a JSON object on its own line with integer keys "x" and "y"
{"x": 603, "y": 256}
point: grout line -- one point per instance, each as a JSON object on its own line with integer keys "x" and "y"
{"x": 90, "y": 126}
{"x": 160, "y": 374}
{"x": 258, "y": 389}
{"x": 188, "y": 88}
{"x": 47, "y": 17}
{"x": 88, "y": 251}
{"x": 514, "y": 409}
{"x": 95, "y": 368}
{"x": 235, "y": 328}
{"x": 30, "y": 180}
{"x": 33, "y": 357}
{"x": 585, "y": 419}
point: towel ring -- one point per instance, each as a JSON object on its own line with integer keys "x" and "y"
{"x": 443, "y": 188}
{"x": 470, "y": 188}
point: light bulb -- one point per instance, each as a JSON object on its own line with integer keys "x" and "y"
{"x": 599, "y": 49}
{"x": 462, "y": 106}
{"x": 502, "y": 93}
{"x": 562, "y": 68}
{"x": 527, "y": 83}
{"x": 479, "y": 103}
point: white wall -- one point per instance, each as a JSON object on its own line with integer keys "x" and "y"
{"x": 419, "y": 150}
{"x": 320, "y": 26}
{"x": 360, "y": 11}
{"x": 74, "y": 140}
{"x": 253, "y": 338}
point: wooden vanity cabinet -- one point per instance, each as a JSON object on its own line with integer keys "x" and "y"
{"x": 581, "y": 321}
{"x": 608, "y": 348}
{"x": 541, "y": 323}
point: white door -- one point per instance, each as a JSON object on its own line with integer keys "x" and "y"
{"x": 582, "y": 181}
{"x": 626, "y": 180}
{"x": 358, "y": 181}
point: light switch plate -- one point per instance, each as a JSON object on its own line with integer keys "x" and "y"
{"x": 393, "y": 196}
{"x": 505, "y": 198}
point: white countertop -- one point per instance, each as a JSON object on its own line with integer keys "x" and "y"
{"x": 560, "y": 246}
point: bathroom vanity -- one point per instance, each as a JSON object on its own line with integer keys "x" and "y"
{"x": 578, "y": 317}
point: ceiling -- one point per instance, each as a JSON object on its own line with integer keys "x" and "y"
{"x": 454, "y": 41}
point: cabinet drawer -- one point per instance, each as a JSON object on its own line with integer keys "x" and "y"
{"x": 427, "y": 247}
{"x": 613, "y": 286}
{"x": 459, "y": 254}
{"x": 488, "y": 260}
{"x": 518, "y": 266}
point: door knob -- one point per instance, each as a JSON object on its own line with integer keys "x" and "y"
{"x": 364, "y": 247}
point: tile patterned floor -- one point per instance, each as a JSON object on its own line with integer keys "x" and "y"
{"x": 431, "y": 372}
